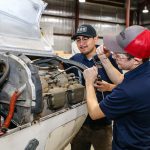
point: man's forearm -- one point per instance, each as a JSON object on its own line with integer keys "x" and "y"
{"x": 93, "y": 106}
{"x": 115, "y": 76}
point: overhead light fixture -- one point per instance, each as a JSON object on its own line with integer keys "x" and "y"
{"x": 82, "y": 1}
{"x": 145, "y": 10}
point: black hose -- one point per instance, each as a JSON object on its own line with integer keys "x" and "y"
{"x": 5, "y": 68}
{"x": 38, "y": 88}
{"x": 59, "y": 59}
{"x": 66, "y": 70}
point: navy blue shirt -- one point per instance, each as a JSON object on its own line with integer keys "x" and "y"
{"x": 129, "y": 106}
{"x": 81, "y": 58}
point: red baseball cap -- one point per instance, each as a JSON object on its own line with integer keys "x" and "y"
{"x": 134, "y": 40}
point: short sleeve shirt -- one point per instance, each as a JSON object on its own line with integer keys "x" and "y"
{"x": 129, "y": 106}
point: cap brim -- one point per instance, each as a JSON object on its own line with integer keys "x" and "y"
{"x": 111, "y": 44}
{"x": 76, "y": 35}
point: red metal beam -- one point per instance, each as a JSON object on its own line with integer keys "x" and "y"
{"x": 127, "y": 13}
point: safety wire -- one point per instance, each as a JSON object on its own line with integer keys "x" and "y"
{"x": 102, "y": 94}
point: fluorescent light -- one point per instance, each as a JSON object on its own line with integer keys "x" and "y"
{"x": 145, "y": 10}
{"x": 82, "y": 1}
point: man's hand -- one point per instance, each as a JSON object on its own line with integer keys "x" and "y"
{"x": 102, "y": 52}
{"x": 90, "y": 75}
{"x": 104, "y": 86}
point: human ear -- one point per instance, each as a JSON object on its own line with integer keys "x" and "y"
{"x": 96, "y": 39}
{"x": 137, "y": 61}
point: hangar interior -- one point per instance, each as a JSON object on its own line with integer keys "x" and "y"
{"x": 39, "y": 102}
{"x": 107, "y": 16}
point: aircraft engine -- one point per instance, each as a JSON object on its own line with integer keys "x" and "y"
{"x": 31, "y": 89}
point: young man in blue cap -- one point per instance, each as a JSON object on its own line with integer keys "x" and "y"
{"x": 91, "y": 131}
{"x": 129, "y": 103}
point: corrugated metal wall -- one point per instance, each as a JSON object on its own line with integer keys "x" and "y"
{"x": 105, "y": 19}
{"x": 60, "y": 15}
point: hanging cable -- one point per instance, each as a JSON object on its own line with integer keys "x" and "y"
{"x": 4, "y": 66}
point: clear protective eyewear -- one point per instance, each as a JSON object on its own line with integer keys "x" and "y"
{"x": 119, "y": 56}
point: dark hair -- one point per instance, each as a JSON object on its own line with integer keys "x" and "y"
{"x": 145, "y": 59}
{"x": 130, "y": 57}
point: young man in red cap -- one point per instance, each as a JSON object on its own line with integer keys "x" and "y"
{"x": 89, "y": 134}
{"x": 129, "y": 103}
